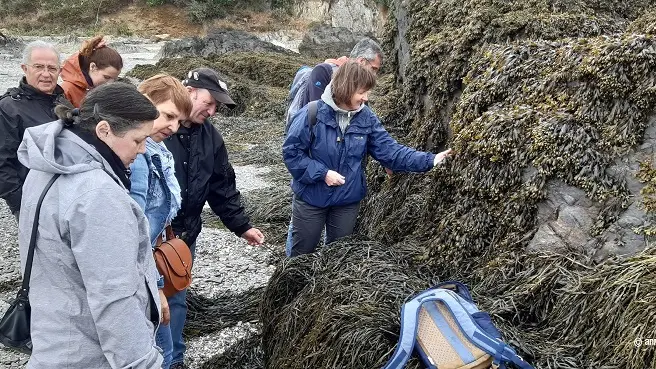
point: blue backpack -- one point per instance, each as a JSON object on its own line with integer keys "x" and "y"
{"x": 297, "y": 92}
{"x": 449, "y": 332}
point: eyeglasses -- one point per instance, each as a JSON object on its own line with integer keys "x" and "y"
{"x": 41, "y": 68}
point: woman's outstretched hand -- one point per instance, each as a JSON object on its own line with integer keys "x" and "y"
{"x": 441, "y": 156}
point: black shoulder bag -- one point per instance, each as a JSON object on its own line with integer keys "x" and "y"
{"x": 15, "y": 324}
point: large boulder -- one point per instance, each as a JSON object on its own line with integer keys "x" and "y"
{"x": 323, "y": 41}
{"x": 218, "y": 42}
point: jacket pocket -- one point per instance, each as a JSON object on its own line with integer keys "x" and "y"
{"x": 356, "y": 146}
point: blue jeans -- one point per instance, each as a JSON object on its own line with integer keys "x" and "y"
{"x": 178, "y": 308}
{"x": 165, "y": 342}
{"x": 289, "y": 242}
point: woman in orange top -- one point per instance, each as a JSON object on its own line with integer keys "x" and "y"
{"x": 92, "y": 66}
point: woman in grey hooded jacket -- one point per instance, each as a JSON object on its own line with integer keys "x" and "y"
{"x": 93, "y": 288}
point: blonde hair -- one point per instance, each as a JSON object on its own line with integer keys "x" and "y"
{"x": 162, "y": 88}
{"x": 350, "y": 78}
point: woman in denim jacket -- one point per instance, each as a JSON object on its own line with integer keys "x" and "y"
{"x": 154, "y": 186}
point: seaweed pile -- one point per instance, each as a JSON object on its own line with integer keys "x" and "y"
{"x": 528, "y": 94}
{"x": 337, "y": 308}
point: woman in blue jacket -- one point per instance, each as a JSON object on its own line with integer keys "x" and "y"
{"x": 326, "y": 166}
{"x": 154, "y": 186}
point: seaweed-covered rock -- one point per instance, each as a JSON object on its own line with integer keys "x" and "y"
{"x": 218, "y": 42}
{"x": 550, "y": 107}
{"x": 519, "y": 116}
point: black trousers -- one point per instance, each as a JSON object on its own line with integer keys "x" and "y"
{"x": 308, "y": 222}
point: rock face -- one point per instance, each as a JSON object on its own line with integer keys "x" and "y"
{"x": 218, "y": 42}
{"x": 329, "y": 42}
{"x": 359, "y": 16}
{"x": 586, "y": 197}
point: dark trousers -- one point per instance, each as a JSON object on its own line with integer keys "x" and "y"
{"x": 308, "y": 221}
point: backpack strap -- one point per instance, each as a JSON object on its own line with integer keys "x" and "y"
{"x": 313, "y": 106}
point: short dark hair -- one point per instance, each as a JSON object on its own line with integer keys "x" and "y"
{"x": 367, "y": 49}
{"x": 350, "y": 78}
{"x": 120, "y": 104}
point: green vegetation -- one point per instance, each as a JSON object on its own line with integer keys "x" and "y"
{"x": 200, "y": 11}
{"x": 84, "y": 16}
{"x": 55, "y": 16}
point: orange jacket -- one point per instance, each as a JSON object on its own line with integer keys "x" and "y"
{"x": 75, "y": 85}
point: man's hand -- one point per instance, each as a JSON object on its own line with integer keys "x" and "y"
{"x": 166, "y": 313}
{"x": 253, "y": 236}
{"x": 334, "y": 179}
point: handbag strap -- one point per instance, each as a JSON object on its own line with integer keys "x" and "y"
{"x": 169, "y": 233}
{"x": 35, "y": 229}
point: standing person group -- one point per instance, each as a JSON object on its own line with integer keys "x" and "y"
{"x": 122, "y": 173}
{"x": 125, "y": 164}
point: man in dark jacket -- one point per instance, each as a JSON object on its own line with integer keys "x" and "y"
{"x": 204, "y": 174}
{"x": 30, "y": 104}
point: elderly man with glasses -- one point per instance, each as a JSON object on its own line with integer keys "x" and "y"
{"x": 30, "y": 104}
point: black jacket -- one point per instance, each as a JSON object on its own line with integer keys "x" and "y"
{"x": 21, "y": 107}
{"x": 205, "y": 174}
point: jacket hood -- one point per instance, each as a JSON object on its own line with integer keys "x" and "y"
{"x": 72, "y": 72}
{"x": 327, "y": 97}
{"x": 52, "y": 149}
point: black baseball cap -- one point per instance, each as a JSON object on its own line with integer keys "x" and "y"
{"x": 208, "y": 79}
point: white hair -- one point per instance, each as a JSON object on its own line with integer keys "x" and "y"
{"x": 38, "y": 44}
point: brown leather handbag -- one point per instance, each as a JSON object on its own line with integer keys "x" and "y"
{"x": 173, "y": 260}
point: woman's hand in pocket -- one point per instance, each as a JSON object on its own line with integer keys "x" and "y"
{"x": 334, "y": 179}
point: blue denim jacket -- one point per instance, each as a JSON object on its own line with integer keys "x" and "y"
{"x": 154, "y": 187}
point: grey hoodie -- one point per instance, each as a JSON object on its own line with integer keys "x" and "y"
{"x": 93, "y": 288}
{"x": 343, "y": 116}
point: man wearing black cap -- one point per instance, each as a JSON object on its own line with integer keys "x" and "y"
{"x": 205, "y": 174}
